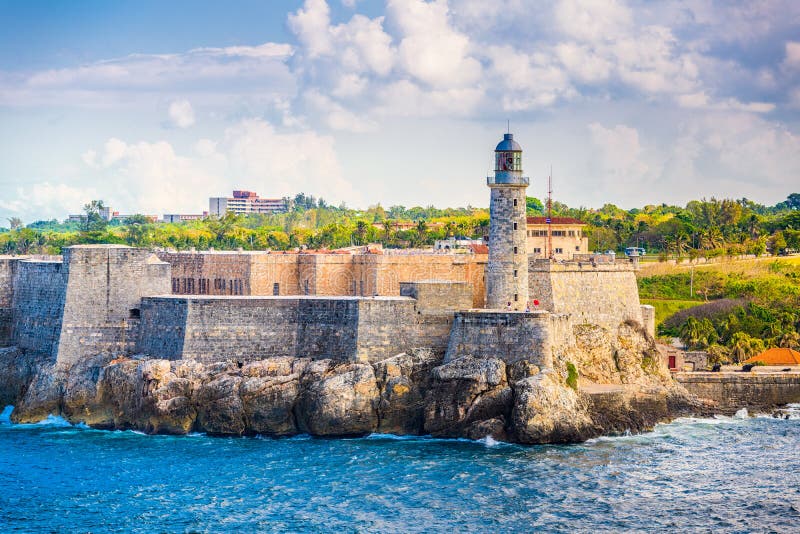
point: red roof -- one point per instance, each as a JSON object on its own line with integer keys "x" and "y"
{"x": 555, "y": 220}
{"x": 479, "y": 249}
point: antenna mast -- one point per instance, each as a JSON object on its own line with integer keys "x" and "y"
{"x": 549, "y": 219}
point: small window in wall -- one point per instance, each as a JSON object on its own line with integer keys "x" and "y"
{"x": 515, "y": 250}
{"x": 515, "y": 273}
{"x": 537, "y": 250}
{"x": 516, "y": 297}
{"x": 276, "y": 289}
{"x": 559, "y": 251}
{"x": 515, "y": 224}
{"x": 515, "y": 202}
{"x": 135, "y": 313}
{"x": 577, "y": 248}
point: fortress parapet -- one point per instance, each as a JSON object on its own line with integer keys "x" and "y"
{"x": 603, "y": 293}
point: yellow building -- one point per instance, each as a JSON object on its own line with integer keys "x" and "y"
{"x": 567, "y": 237}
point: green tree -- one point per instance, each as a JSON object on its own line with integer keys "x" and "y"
{"x": 14, "y": 223}
{"x": 137, "y": 230}
{"x": 94, "y": 221}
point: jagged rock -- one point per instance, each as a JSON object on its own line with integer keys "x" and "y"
{"x": 403, "y": 381}
{"x": 17, "y": 370}
{"x": 338, "y": 400}
{"x": 219, "y": 407}
{"x": 42, "y": 396}
{"x": 268, "y": 403}
{"x": 547, "y": 411}
{"x": 593, "y": 354}
{"x": 80, "y": 396}
{"x": 466, "y": 391}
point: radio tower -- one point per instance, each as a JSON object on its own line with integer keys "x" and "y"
{"x": 549, "y": 218}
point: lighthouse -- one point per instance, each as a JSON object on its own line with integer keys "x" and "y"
{"x": 507, "y": 270}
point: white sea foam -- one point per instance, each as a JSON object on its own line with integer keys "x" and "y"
{"x": 742, "y": 414}
{"x": 5, "y": 416}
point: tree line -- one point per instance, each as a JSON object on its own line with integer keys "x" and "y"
{"x": 704, "y": 227}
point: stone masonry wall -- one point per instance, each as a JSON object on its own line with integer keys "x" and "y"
{"x": 438, "y": 297}
{"x": 209, "y": 329}
{"x": 507, "y": 268}
{"x": 605, "y": 294}
{"x": 738, "y": 390}
{"x": 7, "y": 267}
{"x": 38, "y": 305}
{"x": 510, "y": 336}
{"x": 104, "y": 288}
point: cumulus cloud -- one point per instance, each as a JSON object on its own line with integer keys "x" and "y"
{"x": 46, "y": 200}
{"x": 792, "y": 60}
{"x": 430, "y": 49}
{"x": 181, "y": 113}
{"x": 620, "y": 153}
{"x": 153, "y": 176}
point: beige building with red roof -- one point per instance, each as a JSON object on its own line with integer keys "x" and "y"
{"x": 567, "y": 237}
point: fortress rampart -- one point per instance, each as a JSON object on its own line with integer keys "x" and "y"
{"x": 255, "y": 328}
{"x": 605, "y": 294}
{"x": 323, "y": 274}
{"x": 221, "y": 305}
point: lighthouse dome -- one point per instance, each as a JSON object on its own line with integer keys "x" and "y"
{"x": 508, "y": 144}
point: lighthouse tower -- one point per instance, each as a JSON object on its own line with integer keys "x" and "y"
{"x": 507, "y": 270}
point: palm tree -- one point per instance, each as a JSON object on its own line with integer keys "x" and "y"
{"x": 790, "y": 340}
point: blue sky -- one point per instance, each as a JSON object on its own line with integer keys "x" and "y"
{"x": 155, "y": 106}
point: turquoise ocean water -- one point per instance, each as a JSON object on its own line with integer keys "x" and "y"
{"x": 715, "y": 475}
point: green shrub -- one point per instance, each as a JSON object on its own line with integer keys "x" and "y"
{"x": 572, "y": 376}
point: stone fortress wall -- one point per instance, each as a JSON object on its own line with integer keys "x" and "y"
{"x": 322, "y": 274}
{"x": 109, "y": 298}
{"x": 605, "y": 294}
{"x": 86, "y": 303}
{"x": 7, "y": 266}
{"x": 254, "y": 328}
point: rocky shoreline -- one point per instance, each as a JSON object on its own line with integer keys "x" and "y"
{"x": 622, "y": 389}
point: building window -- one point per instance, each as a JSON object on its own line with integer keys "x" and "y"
{"x": 529, "y": 233}
{"x": 276, "y": 289}
{"x": 559, "y": 251}
{"x": 516, "y": 297}
{"x": 515, "y": 273}
{"x": 537, "y": 250}
{"x": 515, "y": 224}
{"x": 135, "y": 313}
{"x": 515, "y": 202}
{"x": 572, "y": 233}
{"x": 577, "y": 248}
{"x": 515, "y": 250}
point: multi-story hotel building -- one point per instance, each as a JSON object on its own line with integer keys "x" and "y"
{"x": 245, "y": 202}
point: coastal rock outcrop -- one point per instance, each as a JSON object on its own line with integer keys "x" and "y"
{"x": 604, "y": 382}
{"x": 338, "y": 400}
{"x": 469, "y": 397}
{"x": 545, "y": 411}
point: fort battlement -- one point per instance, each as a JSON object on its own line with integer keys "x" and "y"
{"x": 601, "y": 293}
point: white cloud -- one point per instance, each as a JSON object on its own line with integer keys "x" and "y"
{"x": 593, "y": 20}
{"x": 620, "y": 153}
{"x": 47, "y": 200}
{"x": 336, "y": 116}
{"x": 153, "y": 177}
{"x": 430, "y": 49}
{"x": 181, "y": 113}
{"x": 792, "y": 60}
{"x": 311, "y": 25}
{"x": 701, "y": 100}
{"x": 259, "y": 71}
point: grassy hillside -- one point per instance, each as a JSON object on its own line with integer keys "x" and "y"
{"x": 734, "y": 309}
